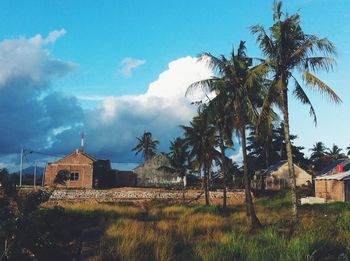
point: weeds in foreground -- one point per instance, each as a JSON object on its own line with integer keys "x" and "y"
{"x": 182, "y": 232}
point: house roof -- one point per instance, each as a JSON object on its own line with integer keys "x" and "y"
{"x": 345, "y": 162}
{"x": 274, "y": 167}
{"x": 80, "y": 152}
{"x": 340, "y": 176}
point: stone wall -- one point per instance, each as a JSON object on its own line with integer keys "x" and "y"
{"x": 118, "y": 194}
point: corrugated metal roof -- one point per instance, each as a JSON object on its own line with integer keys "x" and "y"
{"x": 339, "y": 176}
{"x": 274, "y": 167}
{"x": 344, "y": 162}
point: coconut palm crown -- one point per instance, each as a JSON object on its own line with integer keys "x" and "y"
{"x": 290, "y": 55}
{"x": 146, "y": 145}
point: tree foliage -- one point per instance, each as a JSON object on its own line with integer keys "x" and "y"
{"x": 146, "y": 145}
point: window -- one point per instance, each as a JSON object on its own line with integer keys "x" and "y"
{"x": 74, "y": 176}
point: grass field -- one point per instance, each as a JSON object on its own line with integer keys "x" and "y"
{"x": 158, "y": 231}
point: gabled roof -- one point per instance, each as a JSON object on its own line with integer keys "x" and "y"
{"x": 340, "y": 176}
{"x": 345, "y": 162}
{"x": 274, "y": 167}
{"x": 80, "y": 152}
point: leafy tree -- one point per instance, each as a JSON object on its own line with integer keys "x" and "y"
{"x": 222, "y": 118}
{"x": 318, "y": 156}
{"x": 258, "y": 155}
{"x": 146, "y": 145}
{"x": 335, "y": 152}
{"x": 200, "y": 137}
{"x": 62, "y": 177}
{"x": 318, "y": 151}
{"x": 21, "y": 232}
{"x": 238, "y": 91}
{"x": 287, "y": 50}
{"x": 179, "y": 160}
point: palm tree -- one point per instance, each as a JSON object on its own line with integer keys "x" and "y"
{"x": 335, "y": 152}
{"x": 200, "y": 137}
{"x": 146, "y": 145}
{"x": 179, "y": 159}
{"x": 318, "y": 151}
{"x": 287, "y": 50}
{"x": 237, "y": 91}
{"x": 222, "y": 118}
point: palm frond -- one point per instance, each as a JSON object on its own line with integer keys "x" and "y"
{"x": 302, "y": 96}
{"x": 312, "y": 81}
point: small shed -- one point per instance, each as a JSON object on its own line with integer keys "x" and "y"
{"x": 276, "y": 177}
{"x": 333, "y": 187}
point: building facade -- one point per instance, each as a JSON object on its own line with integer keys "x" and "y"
{"x": 151, "y": 173}
{"x": 84, "y": 171}
{"x": 277, "y": 177}
{"x": 333, "y": 187}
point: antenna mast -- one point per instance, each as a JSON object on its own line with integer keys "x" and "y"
{"x": 82, "y": 142}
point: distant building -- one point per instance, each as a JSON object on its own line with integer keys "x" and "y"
{"x": 85, "y": 171}
{"x": 337, "y": 166}
{"x": 124, "y": 178}
{"x": 333, "y": 187}
{"x": 276, "y": 177}
{"x": 151, "y": 173}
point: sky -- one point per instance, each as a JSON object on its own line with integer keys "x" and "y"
{"x": 115, "y": 69}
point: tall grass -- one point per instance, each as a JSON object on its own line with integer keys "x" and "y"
{"x": 182, "y": 232}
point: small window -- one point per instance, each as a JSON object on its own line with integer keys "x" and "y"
{"x": 74, "y": 176}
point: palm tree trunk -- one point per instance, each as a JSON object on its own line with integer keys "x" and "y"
{"x": 206, "y": 187}
{"x": 255, "y": 223}
{"x": 183, "y": 187}
{"x": 290, "y": 160}
{"x": 223, "y": 169}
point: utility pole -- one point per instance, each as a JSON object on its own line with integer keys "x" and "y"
{"x": 43, "y": 176}
{"x": 21, "y": 168}
{"x": 34, "y": 172}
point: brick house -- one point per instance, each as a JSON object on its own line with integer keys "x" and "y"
{"x": 335, "y": 167}
{"x": 85, "y": 171}
{"x": 333, "y": 187}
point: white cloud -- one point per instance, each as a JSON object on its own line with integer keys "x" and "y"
{"x": 51, "y": 38}
{"x": 112, "y": 126}
{"x": 30, "y": 111}
{"x": 129, "y": 64}
{"x": 25, "y": 60}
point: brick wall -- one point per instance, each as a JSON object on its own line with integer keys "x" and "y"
{"x": 76, "y": 162}
{"x": 330, "y": 189}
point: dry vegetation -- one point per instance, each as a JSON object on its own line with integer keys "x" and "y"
{"x": 158, "y": 231}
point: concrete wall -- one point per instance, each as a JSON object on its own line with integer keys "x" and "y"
{"x": 330, "y": 189}
{"x": 149, "y": 175}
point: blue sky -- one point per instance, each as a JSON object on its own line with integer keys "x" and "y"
{"x": 91, "y": 86}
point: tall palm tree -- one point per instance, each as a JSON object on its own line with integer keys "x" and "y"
{"x": 146, "y": 145}
{"x": 222, "y": 118}
{"x": 200, "y": 137}
{"x": 288, "y": 50}
{"x": 179, "y": 159}
{"x": 335, "y": 152}
{"x": 235, "y": 87}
